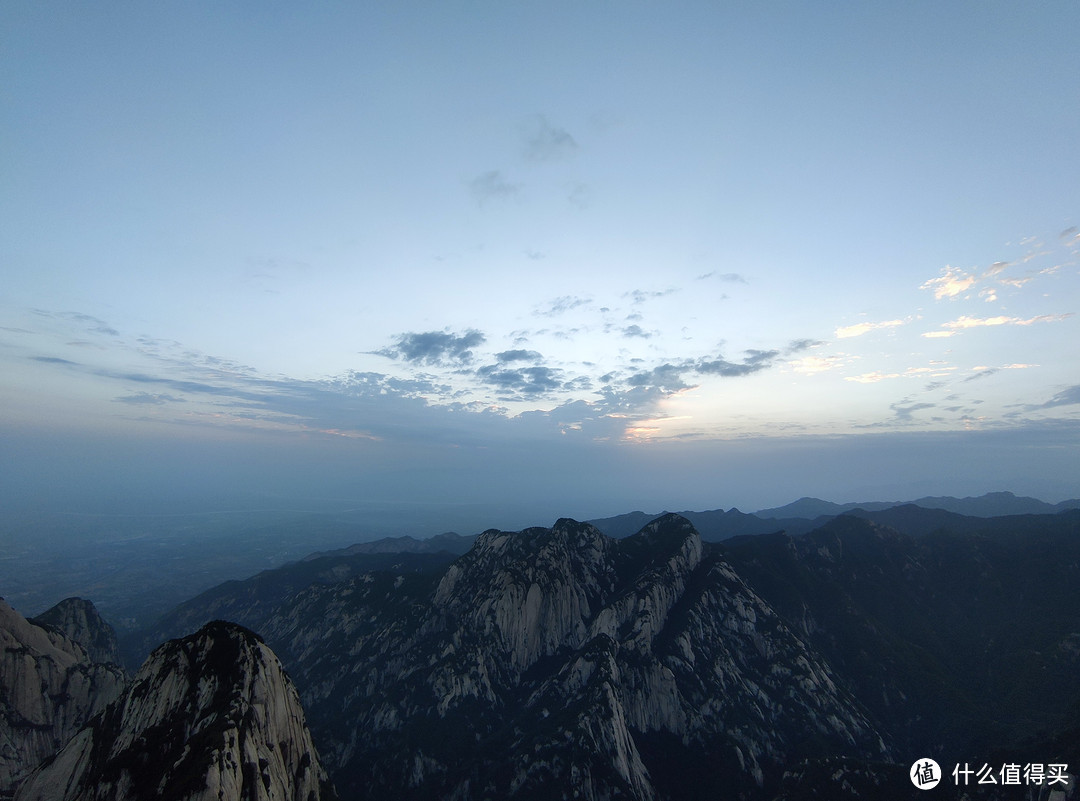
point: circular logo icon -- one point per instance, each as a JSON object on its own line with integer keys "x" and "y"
{"x": 925, "y": 773}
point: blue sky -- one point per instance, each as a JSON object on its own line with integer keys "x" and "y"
{"x": 583, "y": 255}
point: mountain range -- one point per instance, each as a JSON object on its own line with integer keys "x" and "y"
{"x": 564, "y": 662}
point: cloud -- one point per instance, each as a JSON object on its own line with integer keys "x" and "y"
{"x": 517, "y": 356}
{"x": 754, "y": 361}
{"x": 799, "y": 345}
{"x": 561, "y": 305}
{"x": 528, "y": 381}
{"x": 731, "y": 278}
{"x": 905, "y": 414}
{"x": 53, "y": 360}
{"x": 810, "y": 365}
{"x": 1066, "y": 397}
{"x": 979, "y": 322}
{"x": 579, "y": 195}
{"x": 145, "y": 398}
{"x": 871, "y": 378}
{"x": 950, "y": 283}
{"x": 546, "y": 142}
{"x": 434, "y": 347}
{"x": 492, "y": 185}
{"x": 641, "y": 295}
{"x": 938, "y": 334}
{"x": 983, "y": 373}
{"x": 859, "y": 329}
{"x": 635, "y": 331}
{"x": 93, "y": 324}
{"x": 666, "y": 377}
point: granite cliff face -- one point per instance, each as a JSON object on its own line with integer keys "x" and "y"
{"x": 558, "y": 660}
{"x": 50, "y": 684}
{"x": 209, "y": 716}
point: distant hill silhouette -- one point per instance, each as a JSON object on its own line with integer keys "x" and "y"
{"x": 992, "y": 504}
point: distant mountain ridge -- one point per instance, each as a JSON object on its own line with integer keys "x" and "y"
{"x": 992, "y": 504}
{"x": 808, "y": 513}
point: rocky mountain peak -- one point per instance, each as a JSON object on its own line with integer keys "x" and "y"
{"x": 208, "y": 716}
{"x": 49, "y": 688}
{"x": 78, "y": 620}
{"x": 530, "y": 592}
{"x": 558, "y": 658}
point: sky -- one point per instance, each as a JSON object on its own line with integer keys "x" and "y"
{"x": 580, "y": 258}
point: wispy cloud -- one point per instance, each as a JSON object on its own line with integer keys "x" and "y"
{"x": 981, "y": 322}
{"x": 546, "y": 142}
{"x": 1067, "y": 397}
{"x": 859, "y": 329}
{"x": 811, "y": 365}
{"x": 754, "y": 361}
{"x": 731, "y": 278}
{"x": 561, "y": 305}
{"x": 434, "y": 347}
{"x": 146, "y": 398}
{"x": 905, "y": 414}
{"x": 955, "y": 283}
{"x": 950, "y": 283}
{"x": 799, "y": 345}
{"x": 492, "y": 185}
{"x": 641, "y": 295}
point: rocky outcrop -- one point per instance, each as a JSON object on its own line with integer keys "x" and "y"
{"x": 78, "y": 620}
{"x": 209, "y": 716}
{"x": 50, "y": 686}
{"x": 558, "y": 660}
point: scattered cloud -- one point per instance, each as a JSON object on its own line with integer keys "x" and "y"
{"x": 938, "y": 334}
{"x": 53, "y": 360}
{"x": 905, "y": 414}
{"x": 859, "y": 329}
{"x": 561, "y": 305}
{"x": 145, "y": 398}
{"x": 492, "y": 185}
{"x": 434, "y": 347}
{"x": 754, "y": 361}
{"x": 527, "y": 381}
{"x": 517, "y": 356}
{"x": 1067, "y": 397}
{"x": 871, "y": 378}
{"x": 979, "y": 322}
{"x": 546, "y": 142}
{"x": 799, "y": 345}
{"x": 811, "y": 365}
{"x": 640, "y": 295}
{"x": 635, "y": 331}
{"x": 731, "y": 278}
{"x": 950, "y": 283}
{"x": 666, "y": 377}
